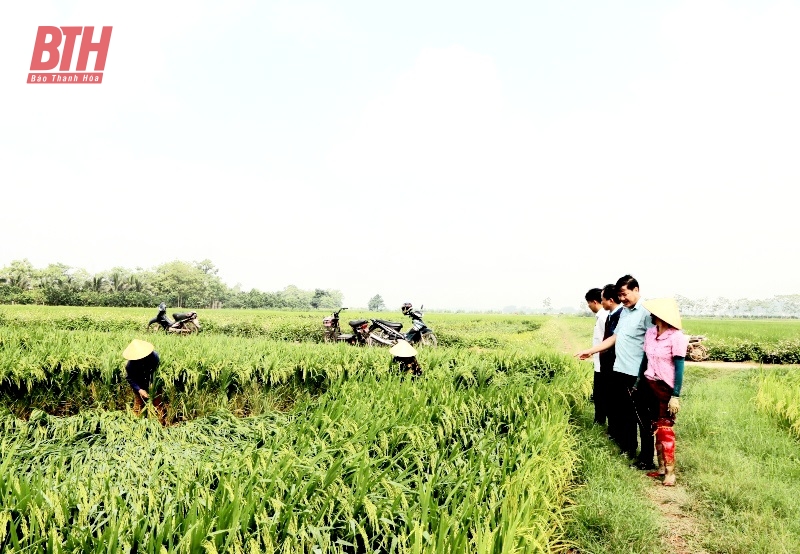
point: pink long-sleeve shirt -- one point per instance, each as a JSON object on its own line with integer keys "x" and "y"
{"x": 660, "y": 351}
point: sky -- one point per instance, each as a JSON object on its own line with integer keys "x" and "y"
{"x": 460, "y": 155}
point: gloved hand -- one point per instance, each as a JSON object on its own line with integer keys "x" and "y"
{"x": 674, "y": 406}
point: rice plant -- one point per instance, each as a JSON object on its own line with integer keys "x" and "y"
{"x": 279, "y": 446}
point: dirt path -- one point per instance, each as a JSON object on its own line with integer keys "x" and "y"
{"x": 682, "y": 532}
{"x": 727, "y": 365}
{"x": 562, "y": 338}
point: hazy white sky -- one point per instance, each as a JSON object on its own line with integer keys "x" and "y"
{"x": 456, "y": 154}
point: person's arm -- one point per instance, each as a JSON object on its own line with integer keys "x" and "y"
{"x": 154, "y": 363}
{"x": 642, "y": 370}
{"x": 679, "y": 363}
{"x": 129, "y": 378}
{"x": 674, "y": 405}
{"x": 602, "y": 347}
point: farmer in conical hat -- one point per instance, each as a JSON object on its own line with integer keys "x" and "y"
{"x": 143, "y": 361}
{"x": 406, "y": 355}
{"x": 660, "y": 380}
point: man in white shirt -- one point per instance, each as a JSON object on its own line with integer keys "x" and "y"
{"x": 599, "y": 395}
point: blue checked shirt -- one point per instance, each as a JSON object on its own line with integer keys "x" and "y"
{"x": 633, "y": 324}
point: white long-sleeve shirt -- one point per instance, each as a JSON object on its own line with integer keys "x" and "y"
{"x": 599, "y": 331}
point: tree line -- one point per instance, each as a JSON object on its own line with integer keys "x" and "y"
{"x": 783, "y": 306}
{"x": 180, "y": 284}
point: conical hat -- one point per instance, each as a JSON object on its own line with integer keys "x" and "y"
{"x": 402, "y": 350}
{"x": 665, "y": 309}
{"x": 137, "y": 350}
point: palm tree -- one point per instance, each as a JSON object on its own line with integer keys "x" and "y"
{"x": 116, "y": 282}
{"x": 96, "y": 283}
{"x": 19, "y": 280}
{"x": 134, "y": 283}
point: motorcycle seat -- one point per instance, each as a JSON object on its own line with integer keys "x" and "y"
{"x": 357, "y": 322}
{"x": 179, "y": 317}
{"x": 393, "y": 324}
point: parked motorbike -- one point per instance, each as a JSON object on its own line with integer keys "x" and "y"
{"x": 389, "y": 332}
{"x": 333, "y": 332}
{"x": 184, "y": 323}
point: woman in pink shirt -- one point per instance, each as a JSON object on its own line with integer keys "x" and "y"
{"x": 660, "y": 380}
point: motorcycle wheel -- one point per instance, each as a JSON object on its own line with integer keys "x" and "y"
{"x": 154, "y": 328}
{"x": 191, "y": 327}
{"x": 428, "y": 339}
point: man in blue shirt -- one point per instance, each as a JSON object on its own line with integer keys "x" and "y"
{"x": 628, "y": 342}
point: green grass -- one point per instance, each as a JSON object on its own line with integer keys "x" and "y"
{"x": 742, "y": 469}
{"x": 611, "y": 514}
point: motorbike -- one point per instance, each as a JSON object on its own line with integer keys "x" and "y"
{"x": 333, "y": 332}
{"x": 389, "y": 332}
{"x": 184, "y": 323}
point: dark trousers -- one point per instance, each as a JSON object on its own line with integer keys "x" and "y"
{"x": 600, "y": 394}
{"x": 642, "y": 404}
{"x": 622, "y": 421}
{"x": 655, "y": 397}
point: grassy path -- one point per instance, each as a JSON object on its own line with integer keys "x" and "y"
{"x": 738, "y": 474}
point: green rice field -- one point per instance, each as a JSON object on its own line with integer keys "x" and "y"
{"x": 759, "y": 340}
{"x": 279, "y": 442}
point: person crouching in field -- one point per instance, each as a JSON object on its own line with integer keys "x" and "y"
{"x": 660, "y": 380}
{"x": 406, "y": 356}
{"x": 143, "y": 361}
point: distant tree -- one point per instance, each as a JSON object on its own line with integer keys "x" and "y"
{"x": 317, "y": 298}
{"x": 134, "y": 283}
{"x": 376, "y": 304}
{"x": 117, "y": 280}
{"x": 207, "y": 267}
{"x": 685, "y": 305}
{"x": 326, "y": 299}
{"x": 96, "y": 283}
{"x": 20, "y": 274}
{"x": 180, "y": 284}
{"x": 53, "y": 276}
{"x": 295, "y": 298}
{"x": 547, "y": 305}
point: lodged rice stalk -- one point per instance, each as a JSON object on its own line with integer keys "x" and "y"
{"x": 340, "y": 454}
{"x": 375, "y": 465}
{"x": 779, "y": 395}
